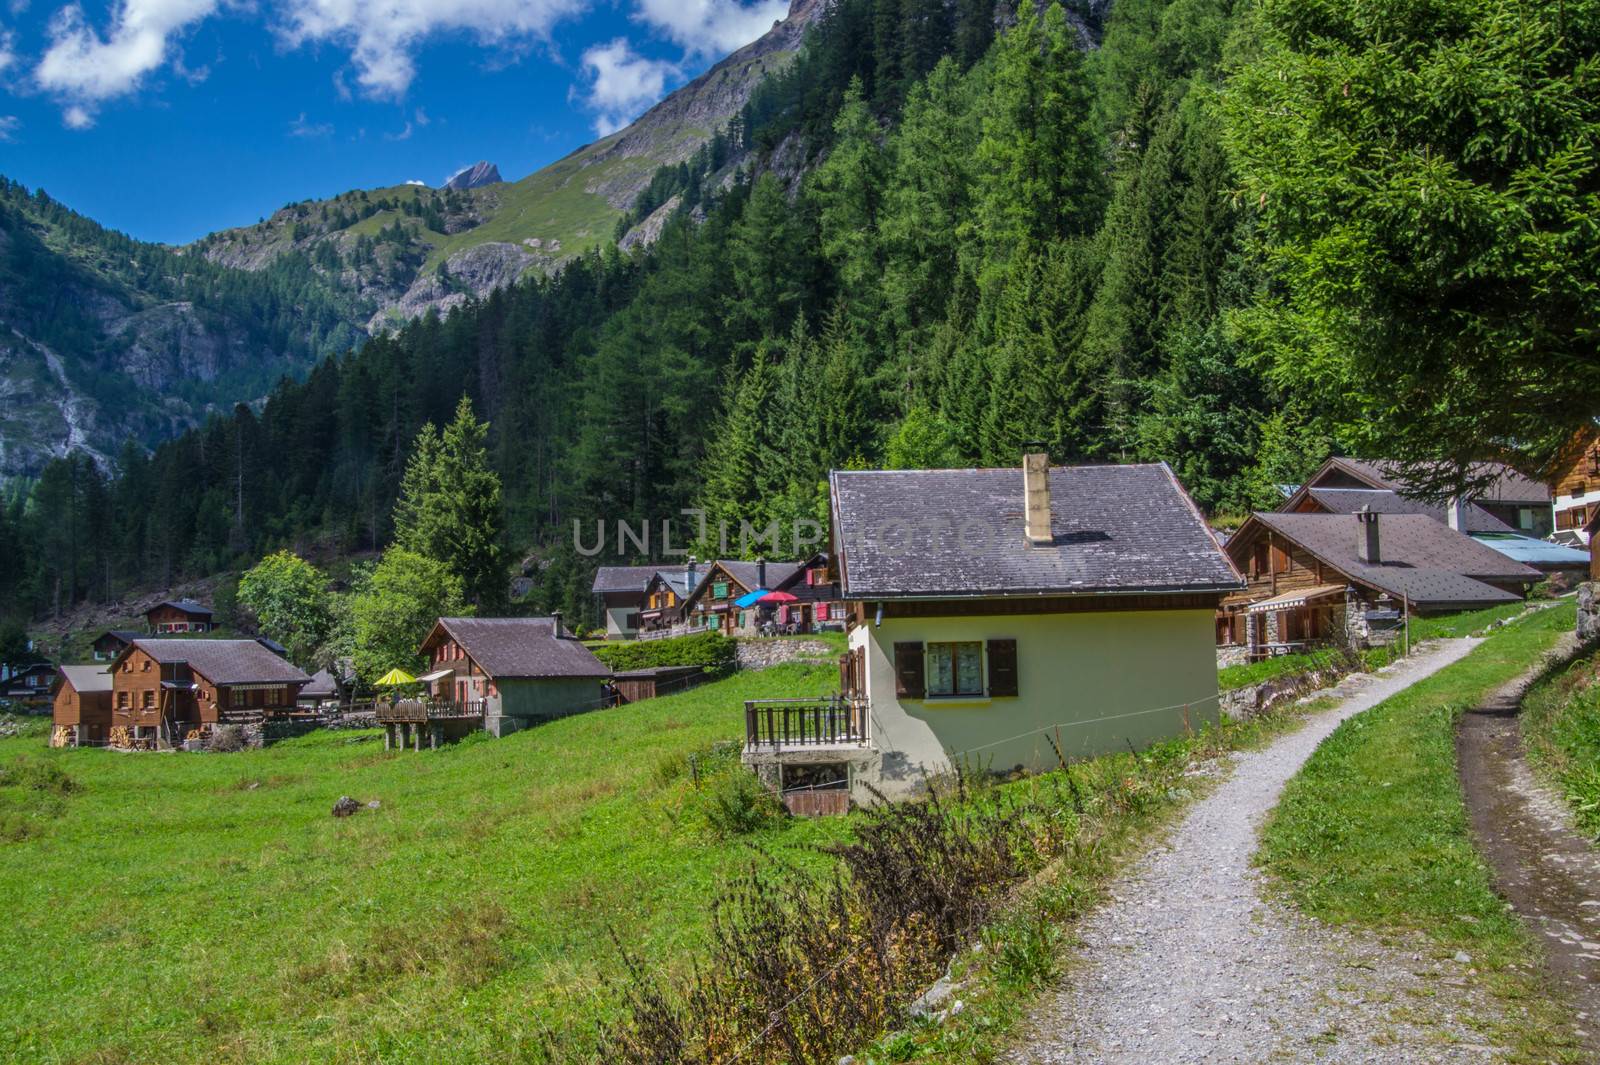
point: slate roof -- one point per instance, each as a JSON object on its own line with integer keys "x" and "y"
{"x": 1388, "y": 501}
{"x": 748, "y": 573}
{"x": 956, "y": 533}
{"x": 1422, "y": 559}
{"x": 322, "y": 684}
{"x": 1509, "y": 486}
{"x": 623, "y": 578}
{"x": 87, "y": 678}
{"x": 188, "y": 606}
{"x": 222, "y": 661}
{"x": 521, "y": 647}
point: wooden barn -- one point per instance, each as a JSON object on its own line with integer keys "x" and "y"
{"x": 82, "y": 707}
{"x": 634, "y": 685}
{"x": 165, "y": 690}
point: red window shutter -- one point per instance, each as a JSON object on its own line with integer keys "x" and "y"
{"x": 1002, "y": 667}
{"x": 909, "y": 676}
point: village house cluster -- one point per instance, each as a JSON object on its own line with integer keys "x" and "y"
{"x": 994, "y": 620}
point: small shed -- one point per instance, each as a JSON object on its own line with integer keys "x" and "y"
{"x": 82, "y": 708}
{"x": 635, "y": 684}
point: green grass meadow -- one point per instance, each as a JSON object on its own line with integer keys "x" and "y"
{"x": 206, "y": 908}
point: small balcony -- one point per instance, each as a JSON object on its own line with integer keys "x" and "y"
{"x": 789, "y": 724}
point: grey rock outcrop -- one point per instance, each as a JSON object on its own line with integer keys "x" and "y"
{"x": 475, "y": 176}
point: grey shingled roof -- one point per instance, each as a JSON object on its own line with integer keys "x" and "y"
{"x": 322, "y": 684}
{"x": 746, "y": 573}
{"x": 623, "y": 578}
{"x": 223, "y": 661}
{"x": 522, "y": 648}
{"x": 188, "y": 606}
{"x": 953, "y": 533}
{"x": 1508, "y": 485}
{"x": 87, "y": 678}
{"x": 1387, "y": 501}
{"x": 1424, "y": 560}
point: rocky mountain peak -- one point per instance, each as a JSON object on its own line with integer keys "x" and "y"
{"x": 474, "y": 176}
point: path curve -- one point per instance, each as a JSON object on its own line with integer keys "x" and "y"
{"x": 1188, "y": 963}
{"x": 1539, "y": 861}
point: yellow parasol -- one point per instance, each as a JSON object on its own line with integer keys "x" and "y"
{"x": 394, "y": 678}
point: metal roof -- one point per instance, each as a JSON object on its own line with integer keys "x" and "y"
{"x": 87, "y": 678}
{"x": 1532, "y": 552}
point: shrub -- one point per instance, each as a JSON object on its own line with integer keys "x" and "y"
{"x": 717, "y": 653}
{"x": 735, "y": 803}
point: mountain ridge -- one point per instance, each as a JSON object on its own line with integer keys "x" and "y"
{"x": 451, "y": 250}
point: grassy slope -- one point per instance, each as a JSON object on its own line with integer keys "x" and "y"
{"x": 1373, "y": 832}
{"x": 182, "y": 908}
{"x": 1561, "y": 727}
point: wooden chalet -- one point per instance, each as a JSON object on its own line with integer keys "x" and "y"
{"x": 1001, "y": 619}
{"x": 1576, "y": 488}
{"x": 167, "y": 690}
{"x": 1316, "y": 577}
{"x": 510, "y": 672}
{"x": 109, "y": 644}
{"x": 82, "y": 709}
{"x": 29, "y": 684}
{"x": 179, "y": 616}
{"x": 664, "y": 596}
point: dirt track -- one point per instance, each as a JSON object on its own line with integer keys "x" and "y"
{"x": 1547, "y": 871}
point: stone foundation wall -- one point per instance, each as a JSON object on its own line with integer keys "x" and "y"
{"x": 1245, "y": 703}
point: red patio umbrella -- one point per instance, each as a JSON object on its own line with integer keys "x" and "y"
{"x": 778, "y": 597}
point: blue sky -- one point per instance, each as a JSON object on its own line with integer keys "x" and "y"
{"x": 171, "y": 118}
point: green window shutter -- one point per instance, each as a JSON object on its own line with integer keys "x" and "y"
{"x": 719, "y": 590}
{"x": 1002, "y": 667}
{"x": 909, "y": 678}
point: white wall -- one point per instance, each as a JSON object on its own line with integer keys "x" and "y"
{"x": 1072, "y": 670}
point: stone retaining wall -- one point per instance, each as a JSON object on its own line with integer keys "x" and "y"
{"x": 764, "y": 653}
{"x": 1245, "y": 703}
{"x": 1588, "y": 613}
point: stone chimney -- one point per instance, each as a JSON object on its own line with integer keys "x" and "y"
{"x": 1368, "y": 546}
{"x": 1036, "y": 493}
{"x": 761, "y": 573}
{"x": 1455, "y": 514}
{"x": 691, "y": 573}
{"x": 555, "y": 624}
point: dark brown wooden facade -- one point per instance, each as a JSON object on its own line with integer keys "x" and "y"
{"x": 169, "y": 700}
{"x": 87, "y": 713}
{"x": 165, "y": 618}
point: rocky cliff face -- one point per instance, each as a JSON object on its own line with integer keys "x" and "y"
{"x": 475, "y": 176}
{"x": 480, "y": 232}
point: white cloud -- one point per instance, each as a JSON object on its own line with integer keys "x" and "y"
{"x": 84, "y": 68}
{"x": 9, "y": 124}
{"x": 8, "y": 54}
{"x": 415, "y": 181}
{"x": 302, "y": 128}
{"x": 403, "y": 135}
{"x": 422, "y": 117}
{"x": 710, "y": 27}
{"x": 622, "y": 84}
{"x": 383, "y": 34}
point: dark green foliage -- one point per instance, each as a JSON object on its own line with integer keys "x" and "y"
{"x": 1426, "y": 179}
{"x": 709, "y": 649}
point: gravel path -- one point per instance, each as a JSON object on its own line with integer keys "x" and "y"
{"x": 1188, "y": 963}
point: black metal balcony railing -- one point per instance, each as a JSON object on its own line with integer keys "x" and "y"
{"x": 828, "y": 721}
